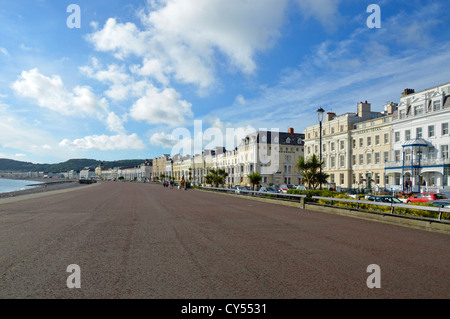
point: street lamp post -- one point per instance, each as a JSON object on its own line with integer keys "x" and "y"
{"x": 320, "y": 117}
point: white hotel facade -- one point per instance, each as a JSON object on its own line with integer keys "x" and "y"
{"x": 406, "y": 147}
{"x": 421, "y": 141}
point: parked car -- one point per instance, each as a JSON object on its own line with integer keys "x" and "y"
{"x": 272, "y": 190}
{"x": 242, "y": 188}
{"x": 285, "y": 187}
{"x": 425, "y": 197}
{"x": 385, "y": 199}
{"x": 301, "y": 187}
{"x": 443, "y": 203}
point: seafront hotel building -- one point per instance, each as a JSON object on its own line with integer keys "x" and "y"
{"x": 421, "y": 140}
{"x": 404, "y": 146}
{"x": 272, "y": 154}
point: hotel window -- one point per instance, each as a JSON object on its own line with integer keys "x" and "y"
{"x": 361, "y": 177}
{"x": 444, "y": 151}
{"x": 397, "y": 156}
{"x": 369, "y": 159}
{"x": 353, "y": 159}
{"x": 369, "y": 141}
{"x": 332, "y": 146}
{"x": 324, "y": 162}
{"x": 407, "y": 135}
{"x": 431, "y": 153}
{"x": 446, "y": 173}
{"x": 377, "y": 178}
{"x": 436, "y": 105}
{"x": 342, "y": 160}
{"x": 444, "y": 128}
{"x": 324, "y": 147}
{"x": 332, "y": 130}
{"x": 342, "y": 128}
{"x": 386, "y": 138}
{"x": 402, "y": 114}
{"x": 324, "y": 132}
{"x": 342, "y": 145}
{"x": 354, "y": 143}
{"x": 397, "y": 137}
{"x": 332, "y": 162}
{"x": 386, "y": 156}
{"x": 353, "y": 178}
{"x": 407, "y": 155}
{"x": 431, "y": 131}
{"x": 315, "y": 149}
{"x": 377, "y": 139}
{"x": 309, "y": 150}
{"x": 377, "y": 158}
{"x": 419, "y": 132}
{"x": 361, "y": 142}
{"x": 341, "y": 176}
{"x": 361, "y": 159}
{"x": 418, "y": 110}
{"x": 332, "y": 178}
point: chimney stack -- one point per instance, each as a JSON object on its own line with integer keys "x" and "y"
{"x": 291, "y": 131}
{"x": 407, "y": 92}
{"x": 364, "y": 110}
{"x": 329, "y": 116}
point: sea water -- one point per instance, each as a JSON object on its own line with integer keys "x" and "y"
{"x": 11, "y": 185}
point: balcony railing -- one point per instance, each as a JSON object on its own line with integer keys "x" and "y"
{"x": 417, "y": 162}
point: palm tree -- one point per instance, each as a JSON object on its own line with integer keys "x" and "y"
{"x": 215, "y": 177}
{"x": 310, "y": 169}
{"x": 209, "y": 179}
{"x": 255, "y": 178}
{"x": 223, "y": 174}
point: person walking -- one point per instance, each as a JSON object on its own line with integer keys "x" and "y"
{"x": 183, "y": 183}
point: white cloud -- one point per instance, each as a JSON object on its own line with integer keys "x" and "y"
{"x": 19, "y": 135}
{"x": 215, "y": 134}
{"x": 4, "y": 51}
{"x": 240, "y": 99}
{"x": 105, "y": 143}
{"x": 183, "y": 39}
{"x": 50, "y": 92}
{"x": 123, "y": 39}
{"x": 163, "y": 139}
{"x": 151, "y": 68}
{"x": 325, "y": 11}
{"x": 115, "y": 123}
{"x": 164, "y": 106}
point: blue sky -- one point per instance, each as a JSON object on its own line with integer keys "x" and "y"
{"x": 133, "y": 80}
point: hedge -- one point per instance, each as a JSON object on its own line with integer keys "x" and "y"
{"x": 378, "y": 208}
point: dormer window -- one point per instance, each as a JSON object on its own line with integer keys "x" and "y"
{"x": 436, "y": 105}
{"x": 418, "y": 110}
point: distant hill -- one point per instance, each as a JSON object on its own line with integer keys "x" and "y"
{"x": 72, "y": 164}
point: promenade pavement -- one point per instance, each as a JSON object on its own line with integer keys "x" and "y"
{"x": 138, "y": 240}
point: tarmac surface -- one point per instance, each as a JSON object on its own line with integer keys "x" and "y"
{"x": 140, "y": 240}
